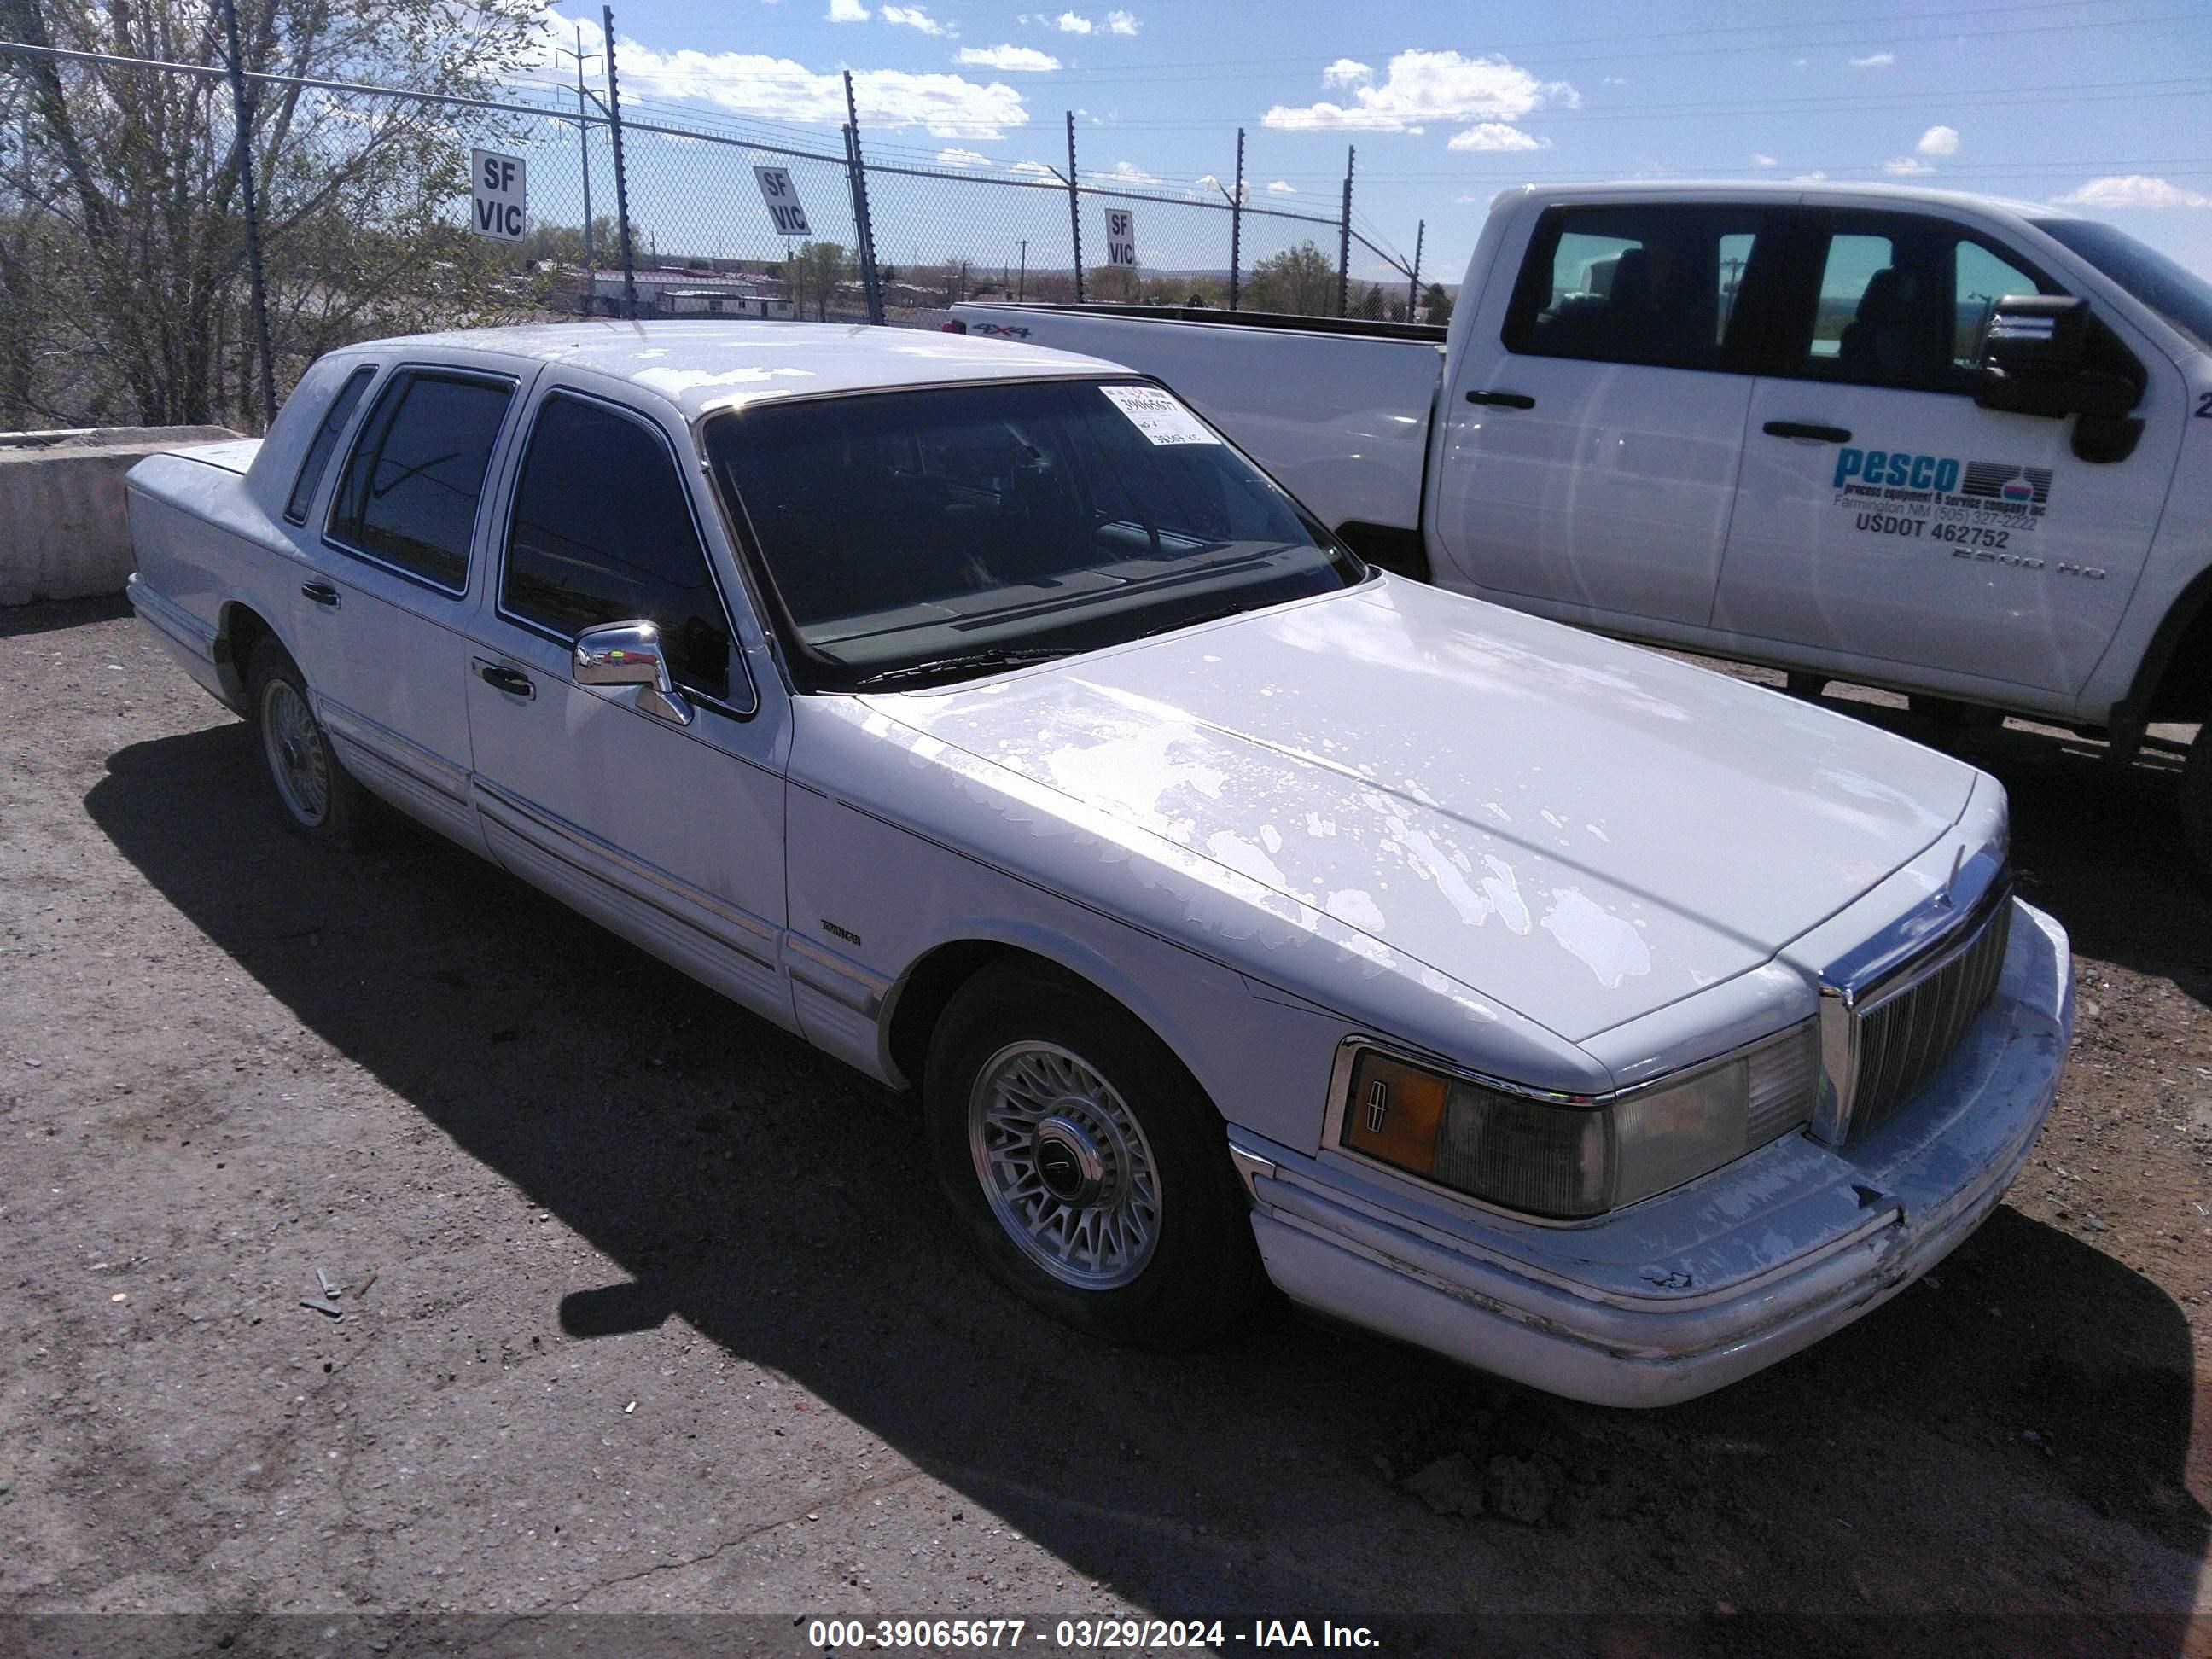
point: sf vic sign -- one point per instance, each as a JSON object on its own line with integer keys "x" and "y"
{"x": 499, "y": 195}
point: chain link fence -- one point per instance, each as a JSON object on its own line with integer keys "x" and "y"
{"x": 367, "y": 225}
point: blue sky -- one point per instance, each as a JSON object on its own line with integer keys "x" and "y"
{"x": 2106, "y": 103}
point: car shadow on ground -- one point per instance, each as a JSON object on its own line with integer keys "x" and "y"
{"x": 2036, "y": 1400}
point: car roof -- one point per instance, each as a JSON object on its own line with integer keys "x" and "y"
{"x": 1783, "y": 190}
{"x": 701, "y": 367}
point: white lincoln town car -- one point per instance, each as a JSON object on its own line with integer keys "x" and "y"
{"x": 1235, "y": 913}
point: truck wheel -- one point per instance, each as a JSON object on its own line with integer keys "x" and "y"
{"x": 2196, "y": 797}
{"x": 321, "y": 801}
{"x": 1807, "y": 686}
{"x": 1083, "y": 1164}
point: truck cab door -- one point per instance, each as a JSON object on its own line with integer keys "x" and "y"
{"x": 1594, "y": 422}
{"x": 660, "y": 817}
{"x": 1890, "y": 528}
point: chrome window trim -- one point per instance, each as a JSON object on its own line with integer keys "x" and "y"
{"x": 740, "y": 670}
{"x": 1349, "y": 1050}
{"x": 446, "y": 371}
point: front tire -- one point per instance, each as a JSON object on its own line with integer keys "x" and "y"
{"x": 1083, "y": 1164}
{"x": 319, "y": 798}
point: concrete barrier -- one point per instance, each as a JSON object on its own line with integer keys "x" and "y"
{"x": 63, "y": 534}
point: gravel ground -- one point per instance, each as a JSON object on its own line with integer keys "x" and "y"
{"x": 646, "y": 1309}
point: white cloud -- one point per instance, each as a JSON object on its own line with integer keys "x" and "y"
{"x": 1938, "y": 140}
{"x": 1347, "y": 72}
{"x": 1421, "y": 86}
{"x": 1800, "y": 62}
{"x": 1906, "y": 167}
{"x": 847, "y": 11}
{"x": 1811, "y": 178}
{"x": 1495, "y": 134}
{"x": 913, "y": 17}
{"x": 962, "y": 158}
{"x": 1123, "y": 173}
{"x": 1616, "y": 80}
{"x": 1120, "y": 22}
{"x": 1762, "y": 161}
{"x": 783, "y": 90}
{"x": 1026, "y": 59}
{"x": 1282, "y": 187}
{"x": 2133, "y": 190}
{"x": 1069, "y": 23}
{"x": 1035, "y": 169}
{"x": 1875, "y": 60}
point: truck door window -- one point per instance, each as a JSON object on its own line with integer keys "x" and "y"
{"x": 1661, "y": 286}
{"x": 1979, "y": 280}
{"x": 602, "y": 532}
{"x": 1903, "y": 302}
{"x": 407, "y": 499}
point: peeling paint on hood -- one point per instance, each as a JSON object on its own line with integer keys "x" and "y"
{"x": 1583, "y": 831}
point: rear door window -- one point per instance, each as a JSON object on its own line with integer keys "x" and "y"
{"x": 1669, "y": 286}
{"x": 580, "y": 553}
{"x": 408, "y": 496}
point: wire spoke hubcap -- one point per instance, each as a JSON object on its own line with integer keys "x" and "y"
{"x": 1064, "y": 1165}
{"x": 297, "y": 760}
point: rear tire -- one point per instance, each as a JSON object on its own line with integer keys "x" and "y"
{"x": 1807, "y": 686}
{"x": 319, "y": 798}
{"x": 2197, "y": 799}
{"x": 1083, "y": 1164}
{"x": 1955, "y": 716}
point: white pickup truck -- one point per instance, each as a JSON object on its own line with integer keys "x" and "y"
{"x": 1954, "y": 447}
{"x": 979, "y": 714}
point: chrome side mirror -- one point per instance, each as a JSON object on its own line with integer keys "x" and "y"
{"x": 629, "y": 653}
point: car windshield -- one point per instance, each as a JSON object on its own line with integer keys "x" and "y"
{"x": 910, "y": 538}
{"x": 2173, "y": 291}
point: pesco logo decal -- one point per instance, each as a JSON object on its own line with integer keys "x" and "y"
{"x": 1897, "y": 468}
{"x": 1968, "y": 505}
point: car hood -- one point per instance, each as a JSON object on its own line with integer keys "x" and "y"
{"x": 1581, "y": 830}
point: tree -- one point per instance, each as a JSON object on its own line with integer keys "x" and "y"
{"x": 1371, "y": 304}
{"x": 1300, "y": 280}
{"x": 814, "y": 272}
{"x": 130, "y": 200}
{"x": 1438, "y": 304}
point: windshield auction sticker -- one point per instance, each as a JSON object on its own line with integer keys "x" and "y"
{"x": 1158, "y": 415}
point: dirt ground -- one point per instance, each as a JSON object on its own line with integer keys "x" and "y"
{"x": 648, "y": 1310}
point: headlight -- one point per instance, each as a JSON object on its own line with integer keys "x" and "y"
{"x": 1567, "y": 1157}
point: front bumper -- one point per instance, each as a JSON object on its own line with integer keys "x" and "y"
{"x": 1689, "y": 1291}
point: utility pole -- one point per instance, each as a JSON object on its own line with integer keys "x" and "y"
{"x": 1236, "y": 221}
{"x": 1344, "y": 238}
{"x": 621, "y": 179}
{"x": 864, "y": 230}
{"x": 242, "y": 149}
{"x": 1074, "y": 208}
{"x": 1414, "y": 276}
{"x": 584, "y": 143}
{"x": 1022, "y": 291}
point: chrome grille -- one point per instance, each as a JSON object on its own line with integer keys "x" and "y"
{"x": 1903, "y": 1037}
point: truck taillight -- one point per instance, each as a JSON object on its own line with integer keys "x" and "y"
{"x": 952, "y": 325}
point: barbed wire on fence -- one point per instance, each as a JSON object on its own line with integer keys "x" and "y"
{"x": 884, "y": 230}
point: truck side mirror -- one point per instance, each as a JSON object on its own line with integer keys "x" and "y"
{"x": 2035, "y": 361}
{"x": 629, "y": 653}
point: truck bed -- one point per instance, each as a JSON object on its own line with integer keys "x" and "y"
{"x": 1336, "y": 409}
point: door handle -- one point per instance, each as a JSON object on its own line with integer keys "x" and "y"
{"x": 322, "y": 593}
{"x": 1819, "y": 434}
{"x": 499, "y": 676}
{"x": 1503, "y": 400}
